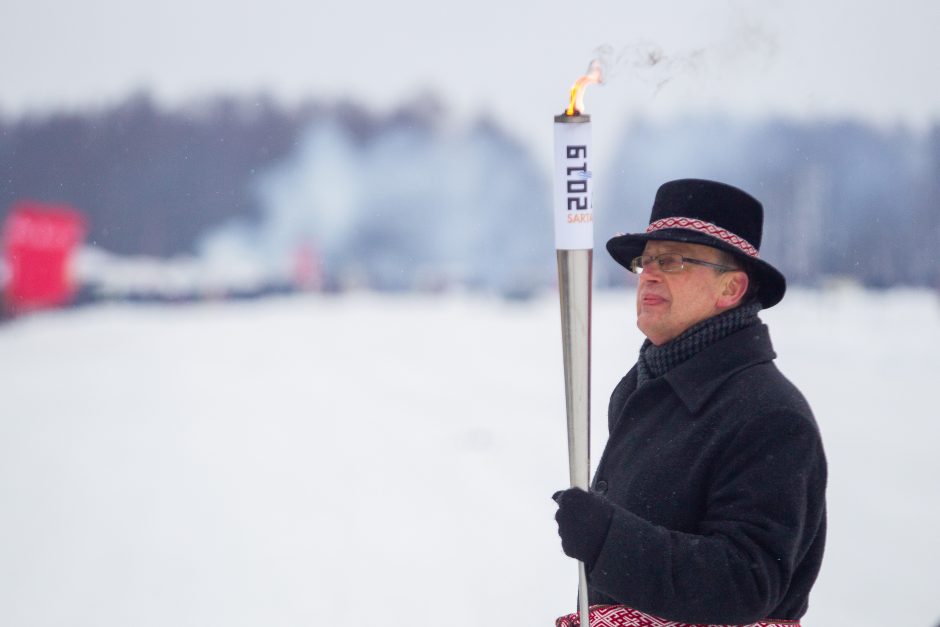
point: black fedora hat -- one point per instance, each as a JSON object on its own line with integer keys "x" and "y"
{"x": 697, "y": 211}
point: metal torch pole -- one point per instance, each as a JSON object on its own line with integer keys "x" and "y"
{"x": 574, "y": 282}
{"x": 574, "y": 242}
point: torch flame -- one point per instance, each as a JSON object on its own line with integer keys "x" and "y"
{"x": 593, "y": 75}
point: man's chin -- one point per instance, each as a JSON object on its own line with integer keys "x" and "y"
{"x": 646, "y": 324}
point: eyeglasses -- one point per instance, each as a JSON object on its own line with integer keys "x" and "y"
{"x": 672, "y": 262}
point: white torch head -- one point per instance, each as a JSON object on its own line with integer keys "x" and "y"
{"x": 574, "y": 205}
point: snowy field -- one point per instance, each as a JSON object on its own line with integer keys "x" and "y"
{"x": 368, "y": 460}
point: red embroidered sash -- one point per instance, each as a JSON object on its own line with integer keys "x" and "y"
{"x": 623, "y": 616}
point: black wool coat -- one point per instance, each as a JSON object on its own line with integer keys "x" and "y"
{"x": 717, "y": 474}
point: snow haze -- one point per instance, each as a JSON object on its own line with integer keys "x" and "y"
{"x": 316, "y": 459}
{"x": 872, "y": 59}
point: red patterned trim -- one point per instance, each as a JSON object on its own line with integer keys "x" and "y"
{"x": 623, "y": 616}
{"x": 704, "y": 227}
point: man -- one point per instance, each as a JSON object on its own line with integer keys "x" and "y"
{"x": 708, "y": 503}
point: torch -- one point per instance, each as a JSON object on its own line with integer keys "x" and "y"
{"x": 574, "y": 245}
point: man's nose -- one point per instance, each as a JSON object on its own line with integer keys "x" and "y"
{"x": 652, "y": 272}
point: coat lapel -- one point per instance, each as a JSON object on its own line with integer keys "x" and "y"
{"x": 696, "y": 379}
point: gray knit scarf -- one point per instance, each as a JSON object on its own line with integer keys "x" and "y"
{"x": 655, "y": 360}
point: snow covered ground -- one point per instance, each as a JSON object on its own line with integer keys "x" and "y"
{"x": 369, "y": 460}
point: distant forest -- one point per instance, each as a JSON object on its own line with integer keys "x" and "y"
{"x": 842, "y": 198}
{"x": 153, "y": 181}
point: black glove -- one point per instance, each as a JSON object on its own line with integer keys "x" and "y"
{"x": 583, "y": 520}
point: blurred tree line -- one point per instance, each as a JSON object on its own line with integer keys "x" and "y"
{"x": 150, "y": 181}
{"x": 153, "y": 181}
{"x": 842, "y": 198}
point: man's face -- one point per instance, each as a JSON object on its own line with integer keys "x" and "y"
{"x": 669, "y": 303}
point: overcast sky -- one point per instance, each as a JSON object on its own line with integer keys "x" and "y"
{"x": 871, "y": 59}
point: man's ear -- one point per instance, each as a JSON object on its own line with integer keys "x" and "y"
{"x": 733, "y": 289}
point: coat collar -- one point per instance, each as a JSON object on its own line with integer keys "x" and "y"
{"x": 696, "y": 379}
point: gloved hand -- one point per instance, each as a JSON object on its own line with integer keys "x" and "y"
{"x": 583, "y": 520}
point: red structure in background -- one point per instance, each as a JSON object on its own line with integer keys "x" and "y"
{"x": 308, "y": 269}
{"x": 38, "y": 241}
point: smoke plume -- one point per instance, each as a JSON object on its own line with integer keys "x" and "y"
{"x": 746, "y": 43}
